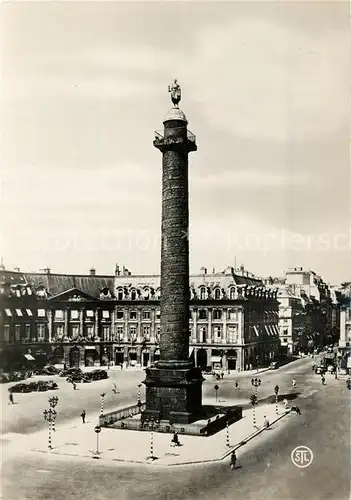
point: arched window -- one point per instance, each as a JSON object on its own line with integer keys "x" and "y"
{"x": 120, "y": 294}
{"x": 203, "y": 293}
{"x": 133, "y": 294}
{"x": 232, "y": 293}
{"x": 217, "y": 294}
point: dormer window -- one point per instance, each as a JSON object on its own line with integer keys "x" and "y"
{"x": 203, "y": 293}
{"x": 232, "y": 293}
{"x": 217, "y": 294}
{"x": 133, "y": 295}
{"x": 120, "y": 294}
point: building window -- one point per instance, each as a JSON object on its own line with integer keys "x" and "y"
{"x": 27, "y": 332}
{"x": 232, "y": 334}
{"x": 29, "y": 312}
{"x": 74, "y": 314}
{"x": 133, "y": 295}
{"x": 202, "y": 334}
{"x": 232, "y": 293}
{"x": 285, "y": 341}
{"x": 8, "y": 312}
{"x": 146, "y": 314}
{"x": 202, "y": 314}
{"x": 233, "y": 314}
{"x": 217, "y": 314}
{"x": 75, "y": 331}
{"x": 41, "y": 313}
{"x": 217, "y": 330}
{"x": 120, "y": 294}
{"x": 120, "y": 332}
{"x": 59, "y": 331}
{"x": 90, "y": 313}
{"x": 41, "y": 332}
{"x": 106, "y": 332}
{"x": 90, "y": 331}
{"x": 158, "y": 314}
{"x": 19, "y": 312}
{"x": 133, "y": 315}
{"x": 120, "y": 315}
{"x": 146, "y": 331}
{"x": 17, "y": 333}
{"x": 59, "y": 314}
{"x": 6, "y": 333}
{"x": 217, "y": 294}
{"x": 202, "y": 293}
{"x": 106, "y": 314}
{"x": 132, "y": 332}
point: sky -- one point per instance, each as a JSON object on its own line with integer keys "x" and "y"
{"x": 265, "y": 88}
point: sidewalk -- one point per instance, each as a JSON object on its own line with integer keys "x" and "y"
{"x": 116, "y": 445}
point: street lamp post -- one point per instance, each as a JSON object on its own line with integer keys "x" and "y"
{"x": 256, "y": 382}
{"x": 216, "y": 390}
{"x": 103, "y": 394}
{"x": 228, "y": 440}
{"x": 97, "y": 430}
{"x": 139, "y": 397}
{"x": 276, "y": 391}
{"x": 49, "y": 416}
{"x": 153, "y": 424}
{"x": 253, "y": 401}
{"x": 53, "y": 402}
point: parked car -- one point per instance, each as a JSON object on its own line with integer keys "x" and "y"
{"x": 70, "y": 371}
{"x": 331, "y": 369}
{"x": 274, "y": 365}
{"x": 99, "y": 374}
{"x": 47, "y": 370}
{"x": 20, "y": 388}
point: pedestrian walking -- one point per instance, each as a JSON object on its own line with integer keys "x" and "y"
{"x": 175, "y": 439}
{"x": 293, "y": 383}
{"x": 11, "y": 398}
{"x": 285, "y": 403}
{"x": 233, "y": 460}
{"x": 74, "y": 385}
{"x": 222, "y": 375}
{"x": 83, "y": 415}
{"x": 266, "y": 422}
{"x": 298, "y": 411}
{"x": 323, "y": 380}
{"x": 236, "y": 384}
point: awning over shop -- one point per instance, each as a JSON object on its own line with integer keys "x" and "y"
{"x": 268, "y": 331}
{"x": 256, "y": 331}
{"x": 216, "y": 359}
{"x": 29, "y": 357}
{"x": 89, "y": 348}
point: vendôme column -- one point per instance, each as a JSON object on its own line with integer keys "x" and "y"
{"x": 173, "y": 385}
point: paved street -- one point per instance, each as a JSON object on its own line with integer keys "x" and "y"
{"x": 266, "y": 470}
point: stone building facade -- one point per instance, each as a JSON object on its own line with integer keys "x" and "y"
{"x": 96, "y": 320}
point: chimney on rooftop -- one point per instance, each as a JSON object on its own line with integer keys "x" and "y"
{"x": 16, "y": 269}
{"x": 117, "y": 270}
{"x": 2, "y": 267}
{"x": 92, "y": 271}
{"x": 203, "y": 270}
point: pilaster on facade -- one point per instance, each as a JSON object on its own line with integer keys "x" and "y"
{"x": 153, "y": 325}
{"x": 50, "y": 313}
{"x": 66, "y": 317}
{"x": 97, "y": 322}
{"x": 113, "y": 324}
{"x": 224, "y": 325}
{"x": 209, "y": 327}
{"x": 81, "y": 321}
{"x": 139, "y": 332}
{"x": 194, "y": 329}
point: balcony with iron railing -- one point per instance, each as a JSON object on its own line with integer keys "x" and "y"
{"x": 160, "y": 135}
